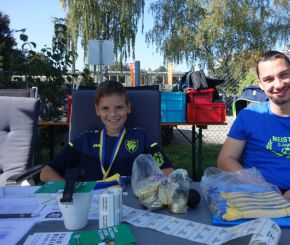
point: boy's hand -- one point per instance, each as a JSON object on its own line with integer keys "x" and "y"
{"x": 168, "y": 171}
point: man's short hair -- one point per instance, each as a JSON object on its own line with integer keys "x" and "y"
{"x": 271, "y": 55}
{"x": 111, "y": 87}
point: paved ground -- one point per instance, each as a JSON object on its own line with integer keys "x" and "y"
{"x": 214, "y": 134}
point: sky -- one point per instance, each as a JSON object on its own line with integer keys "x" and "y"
{"x": 36, "y": 16}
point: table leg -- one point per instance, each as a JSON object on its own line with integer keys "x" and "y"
{"x": 38, "y": 144}
{"x": 51, "y": 142}
{"x": 193, "y": 144}
{"x": 199, "y": 154}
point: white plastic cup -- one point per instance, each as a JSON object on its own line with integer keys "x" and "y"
{"x": 75, "y": 214}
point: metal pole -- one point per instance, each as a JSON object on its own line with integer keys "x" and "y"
{"x": 193, "y": 146}
{"x": 95, "y": 73}
{"x": 101, "y": 61}
{"x": 199, "y": 154}
{"x": 137, "y": 73}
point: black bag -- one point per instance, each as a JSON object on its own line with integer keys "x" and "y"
{"x": 193, "y": 80}
{"x": 197, "y": 80}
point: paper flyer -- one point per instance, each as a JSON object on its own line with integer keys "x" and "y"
{"x": 120, "y": 235}
{"x": 265, "y": 230}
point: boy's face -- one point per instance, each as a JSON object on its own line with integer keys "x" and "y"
{"x": 113, "y": 111}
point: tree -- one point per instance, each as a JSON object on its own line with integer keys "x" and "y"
{"x": 7, "y": 42}
{"x": 105, "y": 19}
{"x": 119, "y": 66}
{"x": 158, "y": 79}
{"x": 52, "y": 63}
{"x": 218, "y": 30}
{"x": 250, "y": 78}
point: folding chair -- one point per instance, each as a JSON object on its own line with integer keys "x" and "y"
{"x": 145, "y": 112}
{"x": 18, "y": 129}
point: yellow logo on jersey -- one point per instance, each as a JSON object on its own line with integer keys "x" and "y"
{"x": 131, "y": 145}
{"x": 158, "y": 157}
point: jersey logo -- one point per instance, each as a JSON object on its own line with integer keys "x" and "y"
{"x": 131, "y": 145}
{"x": 158, "y": 157}
{"x": 96, "y": 145}
{"x": 279, "y": 146}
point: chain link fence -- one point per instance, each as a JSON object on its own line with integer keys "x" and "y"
{"x": 213, "y": 134}
{"x": 16, "y": 83}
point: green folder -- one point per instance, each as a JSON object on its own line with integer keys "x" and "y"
{"x": 58, "y": 186}
{"x": 117, "y": 235}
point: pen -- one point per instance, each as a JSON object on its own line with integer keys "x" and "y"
{"x": 27, "y": 215}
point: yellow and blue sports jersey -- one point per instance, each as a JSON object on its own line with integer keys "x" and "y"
{"x": 243, "y": 201}
{"x": 86, "y": 153}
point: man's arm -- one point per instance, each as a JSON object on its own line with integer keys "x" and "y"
{"x": 230, "y": 154}
{"x": 287, "y": 194}
{"x": 49, "y": 174}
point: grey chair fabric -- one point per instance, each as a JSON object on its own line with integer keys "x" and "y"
{"x": 145, "y": 112}
{"x": 18, "y": 128}
{"x": 31, "y": 93}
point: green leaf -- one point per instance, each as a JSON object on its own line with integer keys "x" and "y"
{"x": 32, "y": 53}
{"x": 23, "y": 37}
{"x": 33, "y": 44}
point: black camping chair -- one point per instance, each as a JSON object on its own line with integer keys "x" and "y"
{"x": 146, "y": 112}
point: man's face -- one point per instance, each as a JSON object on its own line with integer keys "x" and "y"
{"x": 113, "y": 112}
{"x": 275, "y": 80}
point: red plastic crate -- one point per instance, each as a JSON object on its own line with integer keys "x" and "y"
{"x": 206, "y": 113}
{"x": 203, "y": 96}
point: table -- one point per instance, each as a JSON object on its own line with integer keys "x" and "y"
{"x": 147, "y": 236}
{"x": 196, "y": 164}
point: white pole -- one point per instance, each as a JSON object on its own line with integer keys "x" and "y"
{"x": 101, "y": 61}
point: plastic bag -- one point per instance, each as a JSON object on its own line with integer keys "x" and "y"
{"x": 242, "y": 194}
{"x": 146, "y": 177}
{"x": 174, "y": 192}
{"x": 155, "y": 190}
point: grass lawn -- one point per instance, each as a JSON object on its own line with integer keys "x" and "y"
{"x": 180, "y": 156}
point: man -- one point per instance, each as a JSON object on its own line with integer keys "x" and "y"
{"x": 260, "y": 135}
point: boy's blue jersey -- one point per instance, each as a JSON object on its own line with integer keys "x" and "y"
{"x": 84, "y": 153}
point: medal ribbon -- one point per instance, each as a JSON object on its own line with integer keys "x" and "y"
{"x": 114, "y": 153}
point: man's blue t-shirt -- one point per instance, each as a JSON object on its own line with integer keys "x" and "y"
{"x": 267, "y": 139}
{"x": 84, "y": 153}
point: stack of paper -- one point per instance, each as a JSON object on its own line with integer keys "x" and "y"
{"x": 13, "y": 230}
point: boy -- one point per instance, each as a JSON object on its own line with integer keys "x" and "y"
{"x": 112, "y": 150}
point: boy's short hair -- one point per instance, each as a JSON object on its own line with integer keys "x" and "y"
{"x": 110, "y": 87}
{"x": 272, "y": 55}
